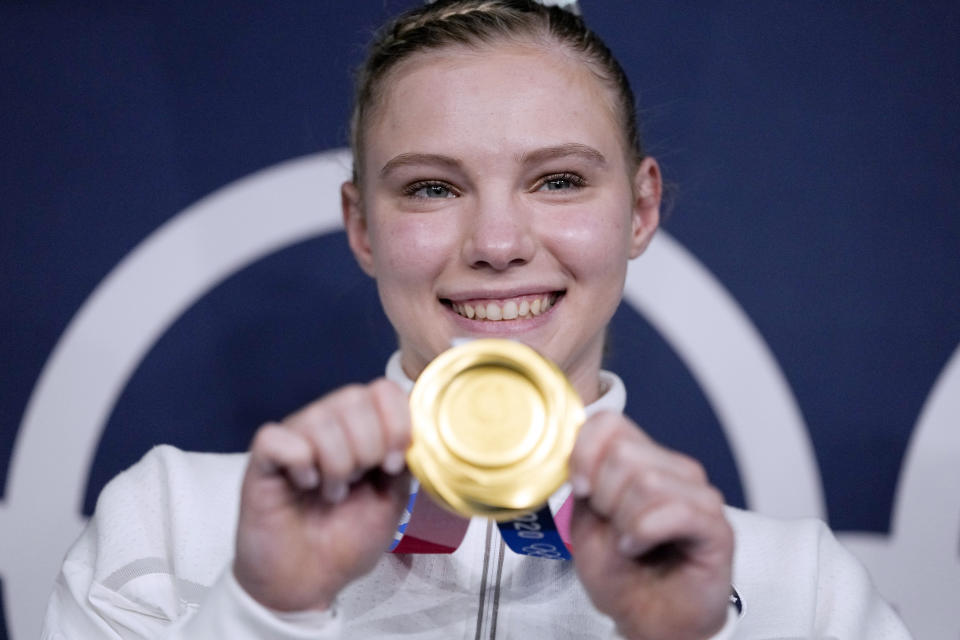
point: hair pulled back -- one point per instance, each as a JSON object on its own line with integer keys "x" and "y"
{"x": 475, "y": 23}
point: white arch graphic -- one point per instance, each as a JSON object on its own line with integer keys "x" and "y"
{"x": 740, "y": 377}
{"x": 263, "y": 213}
{"x": 917, "y": 567}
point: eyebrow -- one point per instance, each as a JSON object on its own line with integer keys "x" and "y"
{"x": 570, "y": 149}
{"x": 407, "y": 159}
{"x": 567, "y": 150}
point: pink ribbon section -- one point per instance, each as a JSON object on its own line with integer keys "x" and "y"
{"x": 431, "y": 529}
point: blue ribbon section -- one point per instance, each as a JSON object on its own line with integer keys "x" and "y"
{"x": 404, "y": 521}
{"x": 535, "y": 534}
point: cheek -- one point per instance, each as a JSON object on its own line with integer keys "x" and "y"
{"x": 591, "y": 245}
{"x": 411, "y": 248}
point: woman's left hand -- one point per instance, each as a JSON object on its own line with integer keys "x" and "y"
{"x": 652, "y": 546}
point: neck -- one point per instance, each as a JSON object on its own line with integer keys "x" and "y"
{"x": 586, "y": 381}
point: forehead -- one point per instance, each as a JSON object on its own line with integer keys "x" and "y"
{"x": 493, "y": 98}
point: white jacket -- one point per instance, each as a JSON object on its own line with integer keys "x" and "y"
{"x": 154, "y": 562}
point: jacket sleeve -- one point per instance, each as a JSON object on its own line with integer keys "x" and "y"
{"x": 82, "y": 610}
{"x": 796, "y": 580}
{"x": 135, "y": 573}
{"x": 847, "y": 604}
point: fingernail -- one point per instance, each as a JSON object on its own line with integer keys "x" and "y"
{"x": 581, "y": 486}
{"x": 305, "y": 478}
{"x": 394, "y": 462}
{"x": 629, "y": 546}
{"x": 334, "y": 491}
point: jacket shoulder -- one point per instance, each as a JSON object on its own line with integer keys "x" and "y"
{"x": 796, "y": 579}
{"x": 173, "y": 508}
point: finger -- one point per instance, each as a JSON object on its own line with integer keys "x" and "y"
{"x": 393, "y": 407}
{"x": 639, "y": 499}
{"x": 623, "y": 464}
{"x": 331, "y": 448}
{"x": 625, "y": 455}
{"x": 593, "y": 440}
{"x": 276, "y": 448}
{"x": 613, "y": 450}
{"x": 680, "y": 523}
{"x": 592, "y": 536}
{"x": 683, "y": 466}
{"x": 360, "y": 422}
{"x": 584, "y": 523}
{"x": 640, "y": 465}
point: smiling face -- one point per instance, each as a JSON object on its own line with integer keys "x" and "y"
{"x": 499, "y": 199}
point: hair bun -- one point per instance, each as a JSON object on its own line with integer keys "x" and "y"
{"x": 570, "y": 5}
{"x": 573, "y": 6}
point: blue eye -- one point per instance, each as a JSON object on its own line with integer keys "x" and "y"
{"x": 429, "y": 190}
{"x": 561, "y": 182}
{"x": 556, "y": 184}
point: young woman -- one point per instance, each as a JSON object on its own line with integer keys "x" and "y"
{"x": 499, "y": 191}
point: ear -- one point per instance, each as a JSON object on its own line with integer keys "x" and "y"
{"x": 355, "y": 224}
{"x": 647, "y": 194}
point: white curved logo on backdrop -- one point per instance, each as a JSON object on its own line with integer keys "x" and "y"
{"x": 917, "y": 566}
{"x": 285, "y": 204}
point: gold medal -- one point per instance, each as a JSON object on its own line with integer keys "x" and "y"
{"x": 494, "y": 423}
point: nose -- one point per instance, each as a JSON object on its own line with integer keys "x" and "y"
{"x": 499, "y": 236}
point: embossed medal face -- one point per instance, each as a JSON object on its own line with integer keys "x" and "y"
{"x": 490, "y": 416}
{"x": 493, "y": 426}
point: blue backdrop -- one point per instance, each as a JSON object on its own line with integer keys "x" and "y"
{"x": 812, "y": 152}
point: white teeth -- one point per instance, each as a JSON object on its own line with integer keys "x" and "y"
{"x": 511, "y": 310}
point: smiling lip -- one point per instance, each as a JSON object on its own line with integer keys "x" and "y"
{"x": 503, "y": 309}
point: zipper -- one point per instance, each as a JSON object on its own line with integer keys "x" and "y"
{"x": 495, "y": 609}
{"x": 493, "y": 553}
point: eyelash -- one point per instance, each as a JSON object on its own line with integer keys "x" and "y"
{"x": 412, "y": 189}
{"x": 576, "y": 181}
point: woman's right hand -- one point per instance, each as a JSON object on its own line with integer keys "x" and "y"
{"x": 322, "y": 496}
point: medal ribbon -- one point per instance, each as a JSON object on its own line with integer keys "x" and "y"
{"x": 429, "y": 528}
{"x": 535, "y": 534}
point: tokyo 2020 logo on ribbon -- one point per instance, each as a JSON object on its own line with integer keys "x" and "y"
{"x": 279, "y": 206}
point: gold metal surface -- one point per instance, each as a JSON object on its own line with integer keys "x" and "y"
{"x": 493, "y": 425}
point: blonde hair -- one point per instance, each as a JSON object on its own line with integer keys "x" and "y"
{"x": 475, "y": 23}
